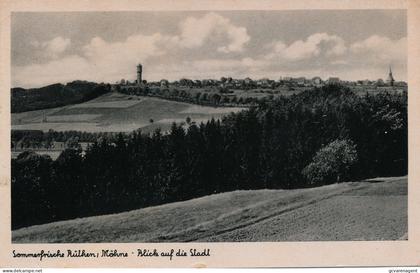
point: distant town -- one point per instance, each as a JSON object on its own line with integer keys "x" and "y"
{"x": 283, "y": 83}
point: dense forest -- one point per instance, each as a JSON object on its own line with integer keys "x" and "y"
{"x": 55, "y": 95}
{"x": 314, "y": 138}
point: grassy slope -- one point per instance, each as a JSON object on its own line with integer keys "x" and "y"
{"x": 129, "y": 113}
{"x": 374, "y": 210}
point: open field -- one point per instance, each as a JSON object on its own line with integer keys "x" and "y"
{"x": 116, "y": 113}
{"x": 375, "y": 209}
{"x": 106, "y": 104}
{"x": 53, "y": 154}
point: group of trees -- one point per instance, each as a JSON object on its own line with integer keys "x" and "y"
{"x": 313, "y": 138}
{"x": 211, "y": 97}
{"x": 229, "y": 82}
{"x": 55, "y": 95}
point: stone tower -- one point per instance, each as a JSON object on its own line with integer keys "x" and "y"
{"x": 139, "y": 71}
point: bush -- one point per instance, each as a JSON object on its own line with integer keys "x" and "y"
{"x": 331, "y": 163}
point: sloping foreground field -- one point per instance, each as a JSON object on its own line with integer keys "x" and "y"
{"x": 370, "y": 210}
{"x": 114, "y": 112}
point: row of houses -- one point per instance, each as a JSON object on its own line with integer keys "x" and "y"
{"x": 264, "y": 83}
{"x": 229, "y": 82}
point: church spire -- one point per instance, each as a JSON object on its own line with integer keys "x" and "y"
{"x": 390, "y": 79}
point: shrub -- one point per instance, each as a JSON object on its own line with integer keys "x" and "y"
{"x": 331, "y": 163}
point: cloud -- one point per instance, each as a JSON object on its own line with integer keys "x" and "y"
{"x": 54, "y": 47}
{"x": 196, "y": 31}
{"x": 318, "y": 44}
{"x": 319, "y": 54}
{"x": 120, "y": 56}
{"x": 324, "y": 48}
{"x": 60, "y": 70}
{"x": 381, "y": 49}
{"x": 100, "y": 60}
{"x": 57, "y": 45}
{"x": 213, "y": 36}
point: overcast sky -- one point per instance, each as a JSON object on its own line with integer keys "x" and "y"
{"x": 106, "y": 46}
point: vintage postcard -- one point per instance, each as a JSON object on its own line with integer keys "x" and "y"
{"x": 209, "y": 133}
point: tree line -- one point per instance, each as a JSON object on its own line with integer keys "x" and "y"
{"x": 38, "y": 139}
{"x": 55, "y": 95}
{"x": 211, "y": 97}
{"x": 314, "y": 138}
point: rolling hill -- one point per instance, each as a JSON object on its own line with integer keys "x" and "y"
{"x": 55, "y": 95}
{"x": 116, "y": 112}
{"x": 374, "y": 209}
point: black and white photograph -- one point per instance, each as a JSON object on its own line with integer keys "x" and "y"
{"x": 209, "y": 126}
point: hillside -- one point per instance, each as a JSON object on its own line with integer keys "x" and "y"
{"x": 115, "y": 112}
{"x": 54, "y": 95}
{"x": 374, "y": 209}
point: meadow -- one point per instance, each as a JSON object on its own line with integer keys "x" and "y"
{"x": 369, "y": 210}
{"x": 114, "y": 112}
